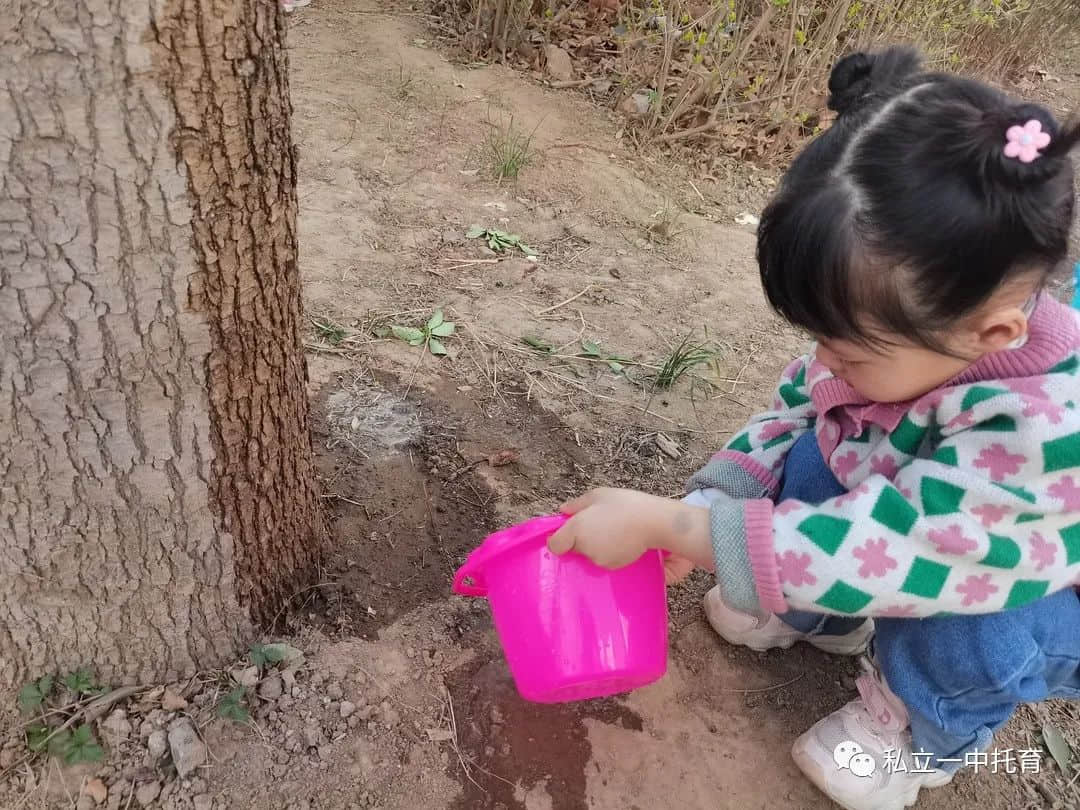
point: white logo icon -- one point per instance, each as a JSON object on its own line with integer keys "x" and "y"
{"x": 849, "y": 754}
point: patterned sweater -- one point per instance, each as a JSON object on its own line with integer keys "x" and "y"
{"x": 966, "y": 500}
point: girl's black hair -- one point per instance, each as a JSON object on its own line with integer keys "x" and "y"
{"x": 906, "y": 214}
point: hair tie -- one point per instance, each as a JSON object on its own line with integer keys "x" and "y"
{"x": 1025, "y": 142}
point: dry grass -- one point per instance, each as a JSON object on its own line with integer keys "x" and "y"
{"x": 750, "y": 75}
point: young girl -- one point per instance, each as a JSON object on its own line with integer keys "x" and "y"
{"x": 921, "y": 466}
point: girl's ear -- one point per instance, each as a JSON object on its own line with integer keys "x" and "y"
{"x": 999, "y": 328}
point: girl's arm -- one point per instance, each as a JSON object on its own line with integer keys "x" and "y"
{"x": 749, "y": 466}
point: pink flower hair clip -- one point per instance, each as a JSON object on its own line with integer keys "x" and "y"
{"x": 1025, "y": 142}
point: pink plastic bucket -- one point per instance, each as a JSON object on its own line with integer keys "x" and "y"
{"x": 570, "y": 629}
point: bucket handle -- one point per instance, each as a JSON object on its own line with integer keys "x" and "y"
{"x": 468, "y": 570}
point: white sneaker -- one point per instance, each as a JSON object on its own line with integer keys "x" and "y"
{"x": 860, "y": 756}
{"x": 768, "y": 632}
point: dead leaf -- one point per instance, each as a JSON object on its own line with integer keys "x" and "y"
{"x": 1057, "y": 746}
{"x": 667, "y": 446}
{"x": 503, "y": 457}
{"x": 172, "y": 702}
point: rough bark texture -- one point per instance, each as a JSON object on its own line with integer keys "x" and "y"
{"x": 157, "y": 493}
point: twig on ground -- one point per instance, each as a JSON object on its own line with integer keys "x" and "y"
{"x": 766, "y": 689}
{"x": 569, "y": 300}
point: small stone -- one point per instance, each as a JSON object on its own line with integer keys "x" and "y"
{"x": 188, "y": 751}
{"x": 96, "y": 790}
{"x": 390, "y": 716}
{"x": 146, "y": 793}
{"x": 248, "y": 677}
{"x": 313, "y": 736}
{"x": 157, "y": 744}
{"x": 197, "y": 786}
{"x": 354, "y": 721}
{"x": 297, "y": 692}
{"x": 637, "y": 105}
{"x": 347, "y": 709}
{"x": 271, "y": 688}
{"x": 7, "y": 758}
{"x": 334, "y": 691}
{"x": 117, "y": 726}
{"x": 325, "y": 751}
{"x": 559, "y": 65}
{"x": 84, "y": 803}
{"x": 172, "y": 702}
{"x": 204, "y": 801}
{"x": 278, "y": 770}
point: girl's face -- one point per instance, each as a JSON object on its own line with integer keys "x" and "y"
{"x": 900, "y": 370}
{"x": 895, "y": 373}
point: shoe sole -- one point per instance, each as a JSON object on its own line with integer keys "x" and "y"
{"x": 834, "y": 645}
{"x": 812, "y": 772}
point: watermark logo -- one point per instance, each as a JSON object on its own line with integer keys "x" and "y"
{"x": 849, "y": 755}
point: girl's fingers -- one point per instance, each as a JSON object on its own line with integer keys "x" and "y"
{"x": 579, "y": 503}
{"x": 562, "y": 541}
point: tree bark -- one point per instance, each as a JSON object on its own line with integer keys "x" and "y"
{"x": 157, "y": 486}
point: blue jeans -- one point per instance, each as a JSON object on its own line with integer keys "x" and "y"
{"x": 961, "y": 677}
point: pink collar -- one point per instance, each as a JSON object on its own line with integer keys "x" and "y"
{"x": 1053, "y": 335}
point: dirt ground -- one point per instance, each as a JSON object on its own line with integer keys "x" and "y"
{"x": 404, "y": 700}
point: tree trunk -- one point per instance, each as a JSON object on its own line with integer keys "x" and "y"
{"x": 157, "y": 487}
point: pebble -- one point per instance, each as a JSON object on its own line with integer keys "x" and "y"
{"x": 172, "y": 702}
{"x": 248, "y": 677}
{"x": 197, "y": 786}
{"x": 146, "y": 793}
{"x": 325, "y": 751}
{"x": 84, "y": 803}
{"x": 188, "y": 751}
{"x": 157, "y": 744}
{"x": 312, "y": 736}
{"x": 7, "y": 758}
{"x": 354, "y": 721}
{"x": 334, "y": 691}
{"x": 117, "y": 726}
{"x": 96, "y": 790}
{"x": 271, "y": 688}
{"x": 559, "y": 65}
{"x": 203, "y": 801}
{"x": 347, "y": 709}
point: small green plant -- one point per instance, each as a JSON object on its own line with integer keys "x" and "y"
{"x": 509, "y": 150}
{"x": 234, "y": 706}
{"x": 430, "y": 335}
{"x": 592, "y": 350}
{"x": 76, "y": 746}
{"x": 404, "y": 88}
{"x": 32, "y": 696}
{"x": 262, "y": 655}
{"x": 684, "y": 358}
{"x": 500, "y": 241}
{"x": 332, "y": 333}
{"x": 537, "y": 344}
{"x": 81, "y": 682}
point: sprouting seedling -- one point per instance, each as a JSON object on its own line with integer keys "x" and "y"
{"x": 262, "y": 655}
{"x": 500, "y": 241}
{"x": 430, "y": 335}
{"x": 81, "y": 682}
{"x": 76, "y": 746}
{"x": 232, "y": 706}
{"x": 32, "y": 696}
{"x": 592, "y": 350}
{"x": 332, "y": 333}
{"x": 684, "y": 358}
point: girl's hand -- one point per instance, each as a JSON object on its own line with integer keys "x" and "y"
{"x": 614, "y": 527}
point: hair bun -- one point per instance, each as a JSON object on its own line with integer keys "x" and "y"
{"x": 860, "y": 76}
